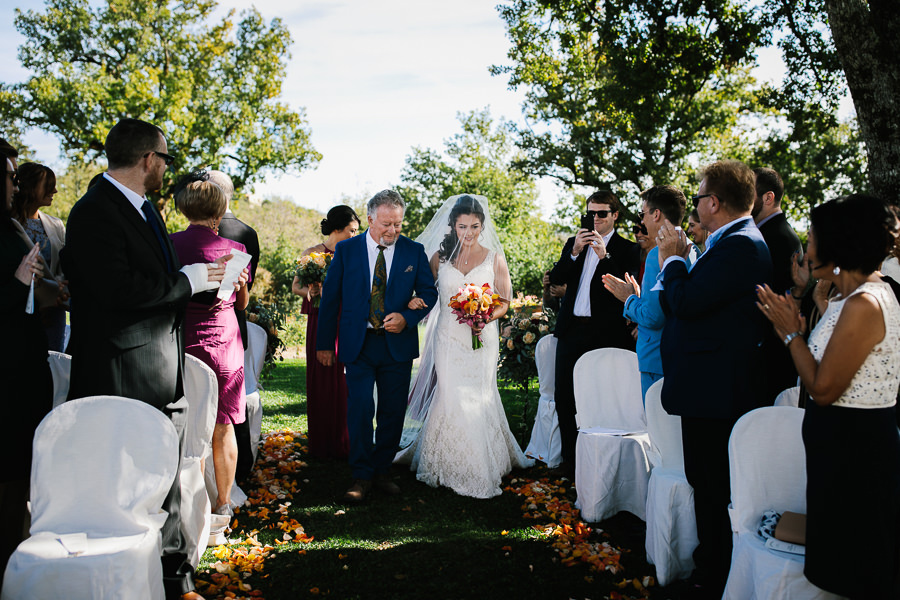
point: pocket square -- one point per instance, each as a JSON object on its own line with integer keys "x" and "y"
{"x": 408, "y": 269}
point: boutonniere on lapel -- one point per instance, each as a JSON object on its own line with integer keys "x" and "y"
{"x": 408, "y": 269}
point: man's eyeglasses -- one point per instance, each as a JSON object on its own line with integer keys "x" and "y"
{"x": 636, "y": 229}
{"x": 167, "y": 158}
{"x": 13, "y": 177}
{"x": 698, "y": 197}
{"x": 600, "y": 214}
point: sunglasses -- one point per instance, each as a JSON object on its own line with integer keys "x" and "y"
{"x": 698, "y": 197}
{"x": 600, "y": 214}
{"x": 636, "y": 229}
{"x": 167, "y": 158}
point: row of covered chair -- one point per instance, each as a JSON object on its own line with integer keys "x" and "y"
{"x": 630, "y": 458}
{"x": 101, "y": 469}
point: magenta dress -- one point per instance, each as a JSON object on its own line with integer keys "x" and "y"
{"x": 212, "y": 334}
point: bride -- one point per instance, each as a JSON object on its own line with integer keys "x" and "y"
{"x": 455, "y": 428}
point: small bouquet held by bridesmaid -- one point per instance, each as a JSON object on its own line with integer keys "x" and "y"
{"x": 311, "y": 269}
{"x": 473, "y": 305}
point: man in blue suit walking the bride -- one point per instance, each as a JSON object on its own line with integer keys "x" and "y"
{"x": 370, "y": 282}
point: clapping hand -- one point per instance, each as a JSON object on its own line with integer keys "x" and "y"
{"x": 780, "y": 311}
{"x": 671, "y": 241}
{"x": 30, "y": 267}
{"x": 800, "y": 270}
{"x": 622, "y": 289}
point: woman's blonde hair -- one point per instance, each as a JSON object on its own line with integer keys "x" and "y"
{"x": 201, "y": 200}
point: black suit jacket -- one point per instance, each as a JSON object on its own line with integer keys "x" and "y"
{"x": 710, "y": 347}
{"x": 127, "y": 308}
{"x": 606, "y": 311}
{"x": 783, "y": 242}
{"x": 233, "y": 228}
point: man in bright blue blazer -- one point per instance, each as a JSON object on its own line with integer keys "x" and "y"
{"x": 642, "y": 306}
{"x": 711, "y": 348}
{"x": 376, "y": 343}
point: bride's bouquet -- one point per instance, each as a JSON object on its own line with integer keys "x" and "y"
{"x": 473, "y": 305}
{"x": 312, "y": 269}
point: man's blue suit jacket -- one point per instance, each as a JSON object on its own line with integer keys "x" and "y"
{"x": 348, "y": 289}
{"x": 710, "y": 347}
{"x": 647, "y": 312}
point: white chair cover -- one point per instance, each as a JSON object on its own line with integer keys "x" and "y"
{"x": 545, "y": 444}
{"x": 671, "y": 526}
{"x": 254, "y": 359}
{"x": 60, "y": 368}
{"x": 611, "y": 471}
{"x": 254, "y": 356}
{"x": 789, "y": 397}
{"x": 768, "y": 472}
{"x": 101, "y": 470}
{"x": 202, "y": 393}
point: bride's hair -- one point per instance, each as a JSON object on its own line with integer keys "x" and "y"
{"x": 465, "y": 205}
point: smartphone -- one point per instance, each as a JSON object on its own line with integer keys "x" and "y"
{"x": 587, "y": 222}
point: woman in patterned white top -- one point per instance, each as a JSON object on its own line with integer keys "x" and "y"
{"x": 851, "y": 368}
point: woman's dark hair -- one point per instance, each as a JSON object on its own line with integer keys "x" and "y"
{"x": 465, "y": 205}
{"x": 855, "y": 232}
{"x": 5, "y": 214}
{"x": 35, "y": 180}
{"x": 338, "y": 218}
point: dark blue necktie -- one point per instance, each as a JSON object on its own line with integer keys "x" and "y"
{"x": 154, "y": 225}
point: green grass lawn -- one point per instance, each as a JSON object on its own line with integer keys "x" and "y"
{"x": 425, "y": 543}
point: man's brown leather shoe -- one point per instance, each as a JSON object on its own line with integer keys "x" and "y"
{"x": 384, "y": 484}
{"x": 358, "y": 491}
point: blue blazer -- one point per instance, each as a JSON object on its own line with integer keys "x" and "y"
{"x": 647, "y": 312}
{"x": 711, "y": 355}
{"x": 348, "y": 289}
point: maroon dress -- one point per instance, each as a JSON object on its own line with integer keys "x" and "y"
{"x": 326, "y": 397}
{"x": 211, "y": 332}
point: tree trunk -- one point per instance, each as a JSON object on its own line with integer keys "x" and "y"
{"x": 867, "y": 38}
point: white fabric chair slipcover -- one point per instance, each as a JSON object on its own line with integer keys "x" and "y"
{"x": 202, "y": 393}
{"x": 789, "y": 397}
{"x": 545, "y": 445}
{"x": 768, "y": 472}
{"x": 101, "y": 470}
{"x": 671, "y": 526}
{"x": 60, "y": 368}
{"x": 254, "y": 359}
{"x": 611, "y": 471}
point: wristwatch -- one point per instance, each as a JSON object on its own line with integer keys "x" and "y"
{"x": 790, "y": 337}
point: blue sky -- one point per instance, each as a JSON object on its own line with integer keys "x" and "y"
{"x": 376, "y": 79}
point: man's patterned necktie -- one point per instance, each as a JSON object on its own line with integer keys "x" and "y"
{"x": 379, "y": 285}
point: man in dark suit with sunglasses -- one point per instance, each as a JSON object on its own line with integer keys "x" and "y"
{"x": 590, "y": 316}
{"x": 129, "y": 293}
{"x": 713, "y": 332}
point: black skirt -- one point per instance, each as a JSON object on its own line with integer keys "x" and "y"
{"x": 852, "y": 500}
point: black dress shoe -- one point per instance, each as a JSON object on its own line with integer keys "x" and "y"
{"x": 384, "y": 484}
{"x": 358, "y": 491}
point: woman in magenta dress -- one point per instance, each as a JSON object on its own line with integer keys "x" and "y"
{"x": 211, "y": 328}
{"x": 326, "y": 388}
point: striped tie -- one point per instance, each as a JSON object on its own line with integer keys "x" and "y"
{"x": 379, "y": 285}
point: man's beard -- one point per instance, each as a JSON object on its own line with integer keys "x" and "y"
{"x": 385, "y": 242}
{"x": 152, "y": 183}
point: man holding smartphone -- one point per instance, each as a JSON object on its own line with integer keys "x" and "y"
{"x": 590, "y": 316}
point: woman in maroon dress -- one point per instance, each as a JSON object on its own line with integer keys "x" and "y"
{"x": 211, "y": 327}
{"x": 326, "y": 388}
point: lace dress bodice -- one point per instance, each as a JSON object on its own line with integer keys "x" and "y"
{"x": 875, "y": 384}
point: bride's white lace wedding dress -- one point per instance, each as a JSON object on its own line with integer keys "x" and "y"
{"x": 465, "y": 443}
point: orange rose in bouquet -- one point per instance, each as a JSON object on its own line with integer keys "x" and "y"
{"x": 473, "y": 305}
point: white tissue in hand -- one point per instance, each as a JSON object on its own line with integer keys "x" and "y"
{"x": 239, "y": 260}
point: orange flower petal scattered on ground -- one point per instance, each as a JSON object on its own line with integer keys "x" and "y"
{"x": 574, "y": 541}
